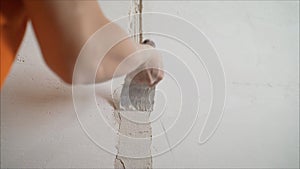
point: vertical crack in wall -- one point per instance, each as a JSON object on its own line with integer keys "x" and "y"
{"x": 140, "y": 20}
{"x": 119, "y": 163}
{"x": 134, "y": 142}
{"x": 133, "y": 110}
{"x": 135, "y": 132}
{"x": 136, "y": 20}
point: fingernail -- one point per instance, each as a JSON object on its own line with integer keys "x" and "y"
{"x": 149, "y": 42}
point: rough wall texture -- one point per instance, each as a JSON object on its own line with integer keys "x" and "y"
{"x": 259, "y": 46}
{"x": 134, "y": 144}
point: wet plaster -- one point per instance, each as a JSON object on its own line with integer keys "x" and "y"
{"x": 133, "y": 108}
{"x": 134, "y": 143}
{"x": 135, "y": 132}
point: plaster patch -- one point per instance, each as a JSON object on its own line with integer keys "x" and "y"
{"x": 134, "y": 144}
{"x": 135, "y": 132}
{"x": 133, "y": 107}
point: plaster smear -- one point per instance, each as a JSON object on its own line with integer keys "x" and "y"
{"x": 135, "y": 132}
{"x": 133, "y": 108}
{"x": 134, "y": 145}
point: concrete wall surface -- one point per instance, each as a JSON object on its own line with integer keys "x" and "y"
{"x": 258, "y": 45}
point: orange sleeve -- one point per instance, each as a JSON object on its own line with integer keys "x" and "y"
{"x": 13, "y": 21}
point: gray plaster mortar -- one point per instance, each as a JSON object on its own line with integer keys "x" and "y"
{"x": 135, "y": 132}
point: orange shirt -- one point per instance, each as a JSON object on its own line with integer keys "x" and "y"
{"x": 13, "y": 21}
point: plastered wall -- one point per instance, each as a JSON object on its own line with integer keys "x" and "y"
{"x": 258, "y": 44}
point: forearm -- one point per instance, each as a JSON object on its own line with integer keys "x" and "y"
{"x": 63, "y": 27}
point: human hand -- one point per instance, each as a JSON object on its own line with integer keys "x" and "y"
{"x": 149, "y": 72}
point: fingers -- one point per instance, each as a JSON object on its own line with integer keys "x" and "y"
{"x": 150, "y": 77}
{"x": 149, "y": 73}
{"x": 154, "y": 76}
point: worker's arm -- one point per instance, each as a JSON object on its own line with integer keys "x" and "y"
{"x": 63, "y": 27}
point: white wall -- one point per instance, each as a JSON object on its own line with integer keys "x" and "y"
{"x": 258, "y": 44}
